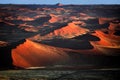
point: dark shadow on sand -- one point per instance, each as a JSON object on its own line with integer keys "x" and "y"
{"x": 117, "y": 33}
{"x": 69, "y": 43}
{"x": 6, "y": 55}
{"x": 39, "y": 21}
{"x": 87, "y": 37}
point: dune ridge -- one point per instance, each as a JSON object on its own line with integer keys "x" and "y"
{"x": 31, "y": 54}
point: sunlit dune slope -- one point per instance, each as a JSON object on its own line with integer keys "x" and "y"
{"x": 69, "y": 31}
{"x": 54, "y": 18}
{"x": 34, "y": 54}
{"x": 109, "y": 43}
{"x": 103, "y": 20}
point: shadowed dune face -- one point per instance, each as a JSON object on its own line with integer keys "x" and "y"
{"x": 34, "y": 54}
{"x": 5, "y": 54}
{"x": 87, "y": 37}
{"x": 69, "y": 43}
{"x": 10, "y": 34}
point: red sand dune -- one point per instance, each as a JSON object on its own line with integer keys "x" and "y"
{"x": 108, "y": 44}
{"x": 54, "y": 18}
{"x": 25, "y": 18}
{"x": 31, "y": 54}
{"x": 69, "y": 31}
{"x": 114, "y": 27}
{"x": 112, "y": 40}
{"x": 109, "y": 39}
{"x": 84, "y": 16}
{"x": 105, "y": 20}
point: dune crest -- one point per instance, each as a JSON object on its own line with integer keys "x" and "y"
{"x": 31, "y": 54}
{"x": 109, "y": 42}
{"x": 69, "y": 31}
{"x": 53, "y": 19}
{"x": 103, "y": 20}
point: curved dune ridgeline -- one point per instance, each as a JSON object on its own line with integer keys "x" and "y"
{"x": 108, "y": 44}
{"x": 54, "y": 18}
{"x": 69, "y": 31}
{"x": 34, "y": 54}
{"x": 109, "y": 41}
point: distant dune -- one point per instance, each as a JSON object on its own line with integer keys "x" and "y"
{"x": 69, "y": 31}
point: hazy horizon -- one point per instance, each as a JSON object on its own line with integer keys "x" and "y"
{"x": 60, "y": 1}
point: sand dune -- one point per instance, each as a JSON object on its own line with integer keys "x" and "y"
{"x": 34, "y": 54}
{"x": 108, "y": 44}
{"x": 105, "y": 20}
{"x": 54, "y": 18}
{"x": 69, "y": 31}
